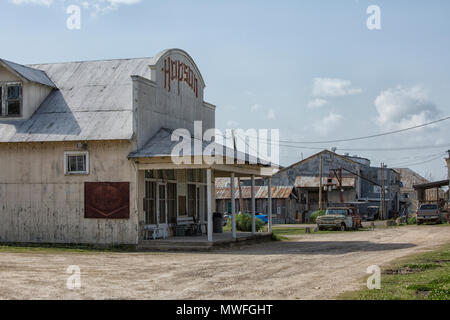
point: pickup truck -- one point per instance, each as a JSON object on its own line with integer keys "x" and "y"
{"x": 341, "y": 218}
{"x": 429, "y": 213}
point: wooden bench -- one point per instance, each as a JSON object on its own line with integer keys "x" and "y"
{"x": 188, "y": 223}
{"x": 185, "y": 221}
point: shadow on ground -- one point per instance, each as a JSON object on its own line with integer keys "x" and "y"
{"x": 315, "y": 247}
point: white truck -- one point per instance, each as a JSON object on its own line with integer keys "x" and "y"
{"x": 429, "y": 213}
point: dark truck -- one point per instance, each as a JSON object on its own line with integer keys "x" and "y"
{"x": 429, "y": 213}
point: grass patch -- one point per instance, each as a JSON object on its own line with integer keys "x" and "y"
{"x": 423, "y": 276}
{"x": 62, "y": 248}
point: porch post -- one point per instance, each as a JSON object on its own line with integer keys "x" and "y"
{"x": 269, "y": 196}
{"x": 233, "y": 207}
{"x": 253, "y": 206}
{"x": 209, "y": 204}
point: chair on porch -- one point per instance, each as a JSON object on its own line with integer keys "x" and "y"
{"x": 155, "y": 232}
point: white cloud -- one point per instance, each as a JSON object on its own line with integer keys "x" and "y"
{"x": 316, "y": 103}
{"x": 232, "y": 124}
{"x": 256, "y": 107}
{"x": 327, "y": 124}
{"x": 95, "y": 6}
{"x": 329, "y": 87}
{"x": 271, "y": 114}
{"x": 402, "y": 107}
{"x": 38, "y": 2}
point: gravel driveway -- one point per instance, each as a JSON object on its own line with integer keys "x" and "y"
{"x": 315, "y": 266}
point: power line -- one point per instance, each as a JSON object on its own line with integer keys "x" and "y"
{"x": 407, "y": 159}
{"x": 419, "y": 163}
{"x": 370, "y": 149}
{"x": 361, "y": 138}
{"x": 370, "y": 136}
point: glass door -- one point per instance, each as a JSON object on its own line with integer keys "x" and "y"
{"x": 162, "y": 203}
{"x": 150, "y": 203}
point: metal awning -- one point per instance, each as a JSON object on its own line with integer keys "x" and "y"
{"x": 431, "y": 185}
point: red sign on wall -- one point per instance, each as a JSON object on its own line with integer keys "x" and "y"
{"x": 175, "y": 70}
{"x": 107, "y": 200}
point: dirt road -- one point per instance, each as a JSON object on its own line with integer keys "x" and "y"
{"x": 308, "y": 267}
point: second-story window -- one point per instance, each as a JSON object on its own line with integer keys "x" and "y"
{"x": 14, "y": 101}
{"x": 11, "y": 99}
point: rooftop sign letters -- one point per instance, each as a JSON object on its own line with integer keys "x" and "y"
{"x": 180, "y": 72}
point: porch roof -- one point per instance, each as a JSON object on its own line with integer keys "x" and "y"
{"x": 431, "y": 185}
{"x": 162, "y": 146}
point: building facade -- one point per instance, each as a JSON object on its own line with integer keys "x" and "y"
{"x": 86, "y": 150}
{"x": 408, "y": 195}
{"x": 345, "y": 179}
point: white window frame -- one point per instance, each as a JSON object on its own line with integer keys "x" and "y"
{"x": 75, "y": 153}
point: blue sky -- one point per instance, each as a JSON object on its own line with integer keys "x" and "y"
{"x": 310, "y": 68}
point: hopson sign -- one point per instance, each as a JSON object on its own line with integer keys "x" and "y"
{"x": 175, "y": 70}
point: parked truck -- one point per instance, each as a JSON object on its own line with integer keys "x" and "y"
{"x": 430, "y": 213}
{"x": 341, "y": 218}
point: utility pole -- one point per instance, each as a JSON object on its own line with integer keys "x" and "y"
{"x": 382, "y": 195}
{"x": 320, "y": 182}
{"x": 448, "y": 176}
{"x": 241, "y": 200}
{"x": 338, "y": 174}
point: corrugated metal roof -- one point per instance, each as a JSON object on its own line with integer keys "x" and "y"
{"x": 314, "y": 181}
{"x": 31, "y": 74}
{"x": 161, "y": 145}
{"x": 94, "y": 102}
{"x": 221, "y": 182}
{"x": 261, "y": 192}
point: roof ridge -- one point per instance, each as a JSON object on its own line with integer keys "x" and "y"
{"x": 85, "y": 61}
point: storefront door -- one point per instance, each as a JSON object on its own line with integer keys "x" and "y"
{"x": 162, "y": 204}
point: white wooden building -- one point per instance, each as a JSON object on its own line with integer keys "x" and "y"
{"x": 85, "y": 151}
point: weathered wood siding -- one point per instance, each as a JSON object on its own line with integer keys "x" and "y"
{"x": 33, "y": 93}
{"x": 39, "y": 203}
